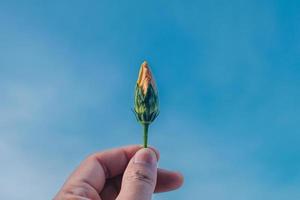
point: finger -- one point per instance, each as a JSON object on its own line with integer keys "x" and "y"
{"x": 139, "y": 178}
{"x": 166, "y": 181}
{"x": 111, "y": 188}
{"x": 93, "y": 171}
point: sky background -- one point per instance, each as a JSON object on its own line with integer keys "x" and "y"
{"x": 228, "y": 74}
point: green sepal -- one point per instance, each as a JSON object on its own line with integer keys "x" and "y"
{"x": 146, "y": 107}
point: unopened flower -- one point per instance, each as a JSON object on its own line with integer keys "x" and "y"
{"x": 146, "y": 106}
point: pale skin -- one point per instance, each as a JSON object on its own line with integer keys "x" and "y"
{"x": 125, "y": 173}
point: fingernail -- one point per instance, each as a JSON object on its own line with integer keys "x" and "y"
{"x": 145, "y": 156}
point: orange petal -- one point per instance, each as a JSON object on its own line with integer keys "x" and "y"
{"x": 145, "y": 78}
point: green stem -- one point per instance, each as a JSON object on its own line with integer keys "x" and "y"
{"x": 145, "y": 135}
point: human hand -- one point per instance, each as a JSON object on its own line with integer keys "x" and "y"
{"x": 126, "y": 173}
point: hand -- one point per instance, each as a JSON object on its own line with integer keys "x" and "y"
{"x": 126, "y": 173}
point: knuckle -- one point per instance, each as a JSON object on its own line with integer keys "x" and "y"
{"x": 92, "y": 157}
{"x": 140, "y": 176}
{"x": 75, "y": 192}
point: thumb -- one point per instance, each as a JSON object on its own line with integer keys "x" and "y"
{"x": 139, "y": 178}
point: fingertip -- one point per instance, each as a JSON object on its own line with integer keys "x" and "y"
{"x": 168, "y": 180}
{"x": 155, "y": 151}
{"x": 136, "y": 147}
{"x": 146, "y": 156}
{"x": 180, "y": 180}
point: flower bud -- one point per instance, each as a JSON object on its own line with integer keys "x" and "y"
{"x": 146, "y": 96}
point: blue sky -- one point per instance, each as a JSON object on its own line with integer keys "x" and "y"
{"x": 228, "y": 74}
